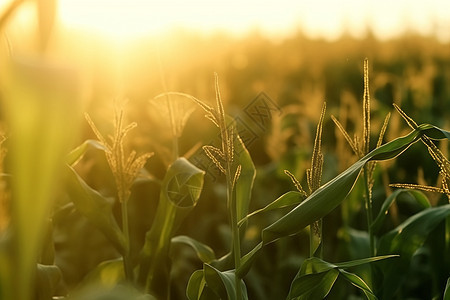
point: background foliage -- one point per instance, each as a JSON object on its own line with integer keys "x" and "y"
{"x": 274, "y": 91}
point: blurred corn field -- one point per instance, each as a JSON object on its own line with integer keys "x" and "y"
{"x": 114, "y": 184}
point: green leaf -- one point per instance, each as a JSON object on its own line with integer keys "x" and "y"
{"x": 313, "y": 286}
{"x": 197, "y": 288}
{"x": 329, "y": 196}
{"x": 356, "y": 242}
{"x": 95, "y": 208}
{"x": 76, "y": 154}
{"x": 405, "y": 240}
{"x": 316, "y": 277}
{"x": 182, "y": 184}
{"x": 359, "y": 283}
{"x": 204, "y": 252}
{"x": 317, "y": 265}
{"x": 411, "y": 234}
{"x": 195, "y": 285}
{"x": 358, "y": 262}
{"x": 223, "y": 283}
{"x": 107, "y": 274}
{"x": 417, "y": 195}
{"x": 447, "y": 290}
{"x": 180, "y": 191}
{"x": 247, "y": 260}
{"x": 288, "y": 199}
{"x": 41, "y": 106}
{"x": 48, "y": 278}
{"x": 322, "y": 201}
{"x": 244, "y": 184}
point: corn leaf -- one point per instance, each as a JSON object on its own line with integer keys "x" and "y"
{"x": 223, "y": 283}
{"x": 48, "y": 277}
{"x": 411, "y": 234}
{"x": 38, "y": 98}
{"x": 204, "y": 252}
{"x": 195, "y": 285}
{"x": 180, "y": 191}
{"x": 76, "y": 154}
{"x": 106, "y": 274}
{"x": 288, "y": 199}
{"x": 405, "y": 240}
{"x": 95, "y": 208}
{"x": 313, "y": 286}
{"x": 417, "y": 195}
{"x": 322, "y": 201}
{"x": 316, "y": 277}
{"x": 447, "y": 290}
{"x": 356, "y": 242}
{"x": 329, "y": 196}
{"x": 359, "y": 283}
{"x": 244, "y": 184}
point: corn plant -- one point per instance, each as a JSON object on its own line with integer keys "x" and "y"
{"x": 180, "y": 190}
{"x": 212, "y": 282}
{"x": 43, "y": 182}
{"x": 361, "y": 148}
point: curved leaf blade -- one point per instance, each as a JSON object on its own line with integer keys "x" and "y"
{"x": 411, "y": 234}
{"x": 76, "y": 154}
{"x": 95, "y": 208}
{"x": 316, "y": 277}
{"x": 204, "y": 252}
{"x": 359, "y": 283}
{"x": 358, "y": 262}
{"x": 223, "y": 283}
{"x": 180, "y": 191}
{"x": 48, "y": 277}
{"x": 195, "y": 285}
{"x": 447, "y": 290}
{"x": 313, "y": 286}
{"x": 288, "y": 199}
{"x": 106, "y": 274}
{"x": 405, "y": 240}
{"x": 244, "y": 184}
{"x": 417, "y": 195}
{"x": 330, "y": 195}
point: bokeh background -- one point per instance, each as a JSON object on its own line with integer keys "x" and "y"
{"x": 289, "y": 55}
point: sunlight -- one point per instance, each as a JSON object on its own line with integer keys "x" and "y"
{"x": 121, "y": 19}
{"x": 115, "y": 19}
{"x": 132, "y": 19}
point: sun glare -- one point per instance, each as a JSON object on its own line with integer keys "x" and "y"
{"x": 113, "y": 18}
{"x": 136, "y": 18}
{"x": 121, "y": 19}
{"x": 131, "y": 19}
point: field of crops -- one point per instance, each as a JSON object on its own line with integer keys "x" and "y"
{"x": 216, "y": 167}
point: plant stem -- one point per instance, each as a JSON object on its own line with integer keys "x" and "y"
{"x": 126, "y": 232}
{"x": 231, "y": 200}
{"x": 369, "y": 213}
{"x": 315, "y": 239}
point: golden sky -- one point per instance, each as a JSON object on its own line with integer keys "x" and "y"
{"x": 326, "y": 18}
{"x": 120, "y": 19}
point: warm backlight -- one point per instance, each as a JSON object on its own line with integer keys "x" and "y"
{"x": 326, "y": 18}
